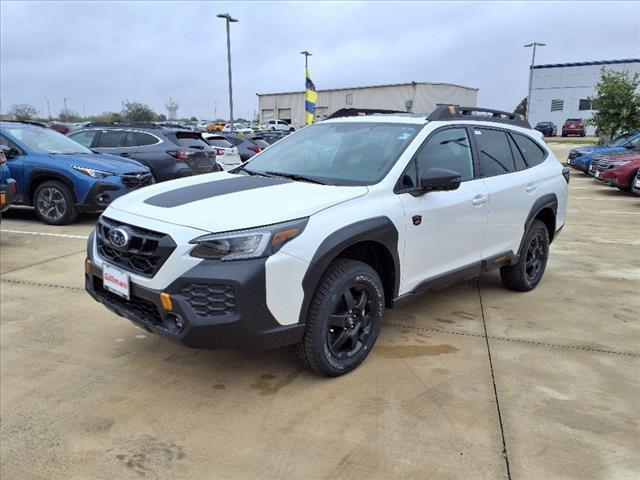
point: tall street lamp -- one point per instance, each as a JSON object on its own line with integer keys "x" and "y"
{"x": 533, "y": 61}
{"x": 306, "y": 60}
{"x": 228, "y": 18}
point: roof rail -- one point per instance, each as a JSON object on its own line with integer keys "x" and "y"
{"x": 356, "y": 112}
{"x": 453, "y": 112}
{"x": 27, "y": 122}
{"x": 123, "y": 124}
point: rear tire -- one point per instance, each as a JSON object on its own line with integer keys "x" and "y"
{"x": 527, "y": 273}
{"x": 344, "y": 319}
{"x": 54, "y": 203}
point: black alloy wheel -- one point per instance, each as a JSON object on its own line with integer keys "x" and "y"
{"x": 349, "y": 325}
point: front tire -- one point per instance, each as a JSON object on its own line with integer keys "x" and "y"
{"x": 54, "y": 203}
{"x": 527, "y": 273}
{"x": 344, "y": 319}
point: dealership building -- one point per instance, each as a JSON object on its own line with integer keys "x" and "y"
{"x": 561, "y": 91}
{"x": 419, "y": 97}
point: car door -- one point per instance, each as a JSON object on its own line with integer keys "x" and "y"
{"x": 512, "y": 189}
{"x": 113, "y": 142}
{"x": 443, "y": 231}
{"x": 16, "y": 163}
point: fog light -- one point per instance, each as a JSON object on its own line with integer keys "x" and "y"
{"x": 165, "y": 298}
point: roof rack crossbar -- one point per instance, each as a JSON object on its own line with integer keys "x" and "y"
{"x": 356, "y": 112}
{"x": 453, "y": 112}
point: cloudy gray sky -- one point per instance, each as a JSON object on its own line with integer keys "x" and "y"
{"x": 103, "y": 52}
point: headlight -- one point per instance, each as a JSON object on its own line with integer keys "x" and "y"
{"x": 91, "y": 172}
{"x": 242, "y": 244}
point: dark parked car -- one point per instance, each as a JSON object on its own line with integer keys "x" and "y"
{"x": 8, "y": 186}
{"x": 270, "y": 137}
{"x": 59, "y": 127}
{"x": 60, "y": 178}
{"x": 573, "y": 126}
{"x": 247, "y": 147}
{"x": 169, "y": 153}
{"x": 548, "y": 129}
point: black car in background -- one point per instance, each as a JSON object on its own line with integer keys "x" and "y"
{"x": 168, "y": 152}
{"x": 268, "y": 136}
{"x": 247, "y": 147}
{"x": 548, "y": 129}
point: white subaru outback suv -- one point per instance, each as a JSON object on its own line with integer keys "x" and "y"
{"x": 308, "y": 242}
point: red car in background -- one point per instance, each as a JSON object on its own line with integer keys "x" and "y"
{"x": 573, "y": 126}
{"x": 618, "y": 171}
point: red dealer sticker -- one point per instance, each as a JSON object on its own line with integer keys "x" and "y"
{"x": 115, "y": 281}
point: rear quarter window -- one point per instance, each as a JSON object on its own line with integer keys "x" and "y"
{"x": 143, "y": 139}
{"x": 532, "y": 152}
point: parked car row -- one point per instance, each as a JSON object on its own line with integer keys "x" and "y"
{"x": 616, "y": 164}
{"x": 62, "y": 176}
{"x": 571, "y": 126}
{"x": 580, "y": 158}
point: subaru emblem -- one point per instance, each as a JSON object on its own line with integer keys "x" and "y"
{"x": 119, "y": 238}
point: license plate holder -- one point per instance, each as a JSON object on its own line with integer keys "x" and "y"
{"x": 116, "y": 281}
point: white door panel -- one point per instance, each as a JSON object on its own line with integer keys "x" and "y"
{"x": 449, "y": 235}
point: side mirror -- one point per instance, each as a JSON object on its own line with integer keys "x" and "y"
{"x": 8, "y": 151}
{"x": 629, "y": 146}
{"x": 439, "y": 179}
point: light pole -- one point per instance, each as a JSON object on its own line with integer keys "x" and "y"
{"x": 533, "y": 61}
{"x": 83, "y": 109}
{"x": 228, "y": 18}
{"x": 215, "y": 110}
{"x": 306, "y": 60}
{"x": 48, "y": 107}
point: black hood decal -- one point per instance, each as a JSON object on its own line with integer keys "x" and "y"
{"x": 194, "y": 193}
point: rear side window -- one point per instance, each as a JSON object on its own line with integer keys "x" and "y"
{"x": 518, "y": 159}
{"x": 531, "y": 151}
{"x": 143, "y": 139}
{"x": 219, "y": 142}
{"x": 494, "y": 152}
{"x": 84, "y": 138}
{"x": 234, "y": 141}
{"x": 111, "y": 138}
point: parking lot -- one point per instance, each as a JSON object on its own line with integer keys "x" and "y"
{"x": 474, "y": 381}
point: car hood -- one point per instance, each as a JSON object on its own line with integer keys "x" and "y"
{"x": 102, "y": 161}
{"x": 221, "y": 201}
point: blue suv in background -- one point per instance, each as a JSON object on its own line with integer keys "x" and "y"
{"x": 61, "y": 178}
{"x": 580, "y": 158}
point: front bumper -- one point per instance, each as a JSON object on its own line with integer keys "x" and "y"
{"x": 7, "y": 194}
{"x": 214, "y": 305}
{"x": 100, "y": 196}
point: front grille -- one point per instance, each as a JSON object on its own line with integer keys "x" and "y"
{"x": 209, "y": 300}
{"x": 145, "y": 253}
{"x": 137, "y": 180}
{"x": 138, "y": 307}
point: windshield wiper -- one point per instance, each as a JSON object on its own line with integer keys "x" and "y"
{"x": 295, "y": 176}
{"x": 251, "y": 172}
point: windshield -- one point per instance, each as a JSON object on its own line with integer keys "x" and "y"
{"x": 338, "y": 153}
{"x": 45, "y": 140}
{"x": 618, "y": 141}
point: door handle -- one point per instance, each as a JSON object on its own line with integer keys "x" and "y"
{"x": 532, "y": 187}
{"x": 479, "y": 199}
{"x": 125, "y": 154}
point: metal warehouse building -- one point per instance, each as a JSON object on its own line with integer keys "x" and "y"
{"x": 410, "y": 97}
{"x": 562, "y": 90}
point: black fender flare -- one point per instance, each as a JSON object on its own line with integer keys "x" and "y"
{"x": 377, "y": 229}
{"x": 550, "y": 200}
{"x": 38, "y": 173}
